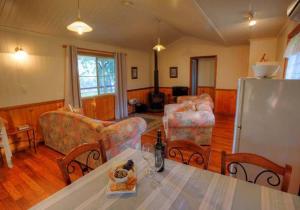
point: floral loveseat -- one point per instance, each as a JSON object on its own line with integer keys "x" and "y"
{"x": 63, "y": 131}
{"x": 191, "y": 119}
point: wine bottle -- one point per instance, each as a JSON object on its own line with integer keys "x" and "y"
{"x": 159, "y": 153}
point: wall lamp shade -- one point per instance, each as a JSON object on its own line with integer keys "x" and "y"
{"x": 158, "y": 47}
{"x": 20, "y": 54}
{"x": 79, "y": 27}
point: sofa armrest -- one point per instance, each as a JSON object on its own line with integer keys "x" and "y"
{"x": 123, "y": 131}
{"x": 191, "y": 119}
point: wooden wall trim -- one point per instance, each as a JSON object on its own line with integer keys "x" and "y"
{"x": 294, "y": 32}
{"x": 30, "y": 105}
{"x": 206, "y": 87}
{"x": 222, "y": 89}
{"x": 137, "y": 89}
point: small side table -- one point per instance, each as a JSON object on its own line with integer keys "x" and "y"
{"x": 29, "y": 132}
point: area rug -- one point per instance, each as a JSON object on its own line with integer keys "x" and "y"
{"x": 152, "y": 121}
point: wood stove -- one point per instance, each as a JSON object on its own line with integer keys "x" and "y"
{"x": 156, "y": 98}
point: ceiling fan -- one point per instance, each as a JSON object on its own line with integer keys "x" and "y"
{"x": 250, "y": 16}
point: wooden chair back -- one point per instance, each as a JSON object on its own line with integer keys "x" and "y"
{"x": 231, "y": 162}
{"x": 93, "y": 151}
{"x": 179, "y": 149}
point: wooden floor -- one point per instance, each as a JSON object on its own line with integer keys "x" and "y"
{"x": 34, "y": 177}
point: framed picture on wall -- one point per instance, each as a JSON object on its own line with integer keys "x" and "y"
{"x": 173, "y": 72}
{"x": 134, "y": 72}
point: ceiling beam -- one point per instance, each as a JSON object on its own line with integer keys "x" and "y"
{"x": 211, "y": 23}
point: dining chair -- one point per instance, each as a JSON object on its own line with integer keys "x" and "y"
{"x": 231, "y": 162}
{"x": 87, "y": 153}
{"x": 187, "y": 151}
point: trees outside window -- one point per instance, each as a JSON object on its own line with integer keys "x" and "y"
{"x": 96, "y": 75}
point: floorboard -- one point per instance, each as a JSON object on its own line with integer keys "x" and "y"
{"x": 34, "y": 177}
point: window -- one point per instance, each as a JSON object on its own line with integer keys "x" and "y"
{"x": 293, "y": 67}
{"x": 96, "y": 75}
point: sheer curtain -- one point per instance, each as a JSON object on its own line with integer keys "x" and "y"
{"x": 4, "y": 143}
{"x": 293, "y": 67}
{"x": 72, "y": 88}
{"x": 293, "y": 54}
{"x": 121, "y": 108}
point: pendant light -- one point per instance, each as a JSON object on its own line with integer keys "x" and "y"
{"x": 158, "y": 47}
{"x": 79, "y": 26}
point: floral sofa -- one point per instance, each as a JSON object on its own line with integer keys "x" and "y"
{"x": 191, "y": 118}
{"x": 63, "y": 131}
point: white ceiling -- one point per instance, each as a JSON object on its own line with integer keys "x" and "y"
{"x": 136, "y": 26}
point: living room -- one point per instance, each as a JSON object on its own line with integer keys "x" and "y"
{"x": 193, "y": 70}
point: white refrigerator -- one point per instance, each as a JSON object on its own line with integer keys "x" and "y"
{"x": 267, "y": 122}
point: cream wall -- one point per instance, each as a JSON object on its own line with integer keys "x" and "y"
{"x": 40, "y": 77}
{"x": 142, "y": 61}
{"x": 260, "y": 46}
{"x": 232, "y": 62}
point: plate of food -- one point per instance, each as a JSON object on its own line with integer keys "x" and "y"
{"x": 122, "y": 178}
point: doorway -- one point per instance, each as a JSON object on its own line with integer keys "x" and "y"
{"x": 203, "y": 75}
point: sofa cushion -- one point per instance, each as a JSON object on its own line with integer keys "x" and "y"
{"x": 204, "y": 106}
{"x": 186, "y": 106}
{"x": 191, "y": 119}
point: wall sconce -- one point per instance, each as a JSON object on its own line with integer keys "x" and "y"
{"x": 20, "y": 54}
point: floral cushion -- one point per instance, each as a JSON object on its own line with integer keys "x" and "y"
{"x": 203, "y": 107}
{"x": 64, "y": 131}
{"x": 203, "y": 98}
{"x": 191, "y": 119}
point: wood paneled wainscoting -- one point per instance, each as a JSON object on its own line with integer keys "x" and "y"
{"x": 141, "y": 94}
{"x": 99, "y": 107}
{"x": 103, "y": 107}
{"x": 28, "y": 114}
{"x": 209, "y": 90}
{"x": 225, "y": 101}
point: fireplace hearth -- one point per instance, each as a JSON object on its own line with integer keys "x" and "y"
{"x": 156, "y": 98}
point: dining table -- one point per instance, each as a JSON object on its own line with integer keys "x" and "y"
{"x": 178, "y": 187}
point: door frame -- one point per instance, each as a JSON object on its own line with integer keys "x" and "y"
{"x": 199, "y": 57}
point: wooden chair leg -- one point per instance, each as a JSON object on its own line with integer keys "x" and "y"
{"x": 34, "y": 140}
{"x": 1, "y": 158}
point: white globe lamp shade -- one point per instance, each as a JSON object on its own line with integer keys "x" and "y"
{"x": 79, "y": 27}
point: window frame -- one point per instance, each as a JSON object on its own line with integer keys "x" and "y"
{"x": 97, "y": 55}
